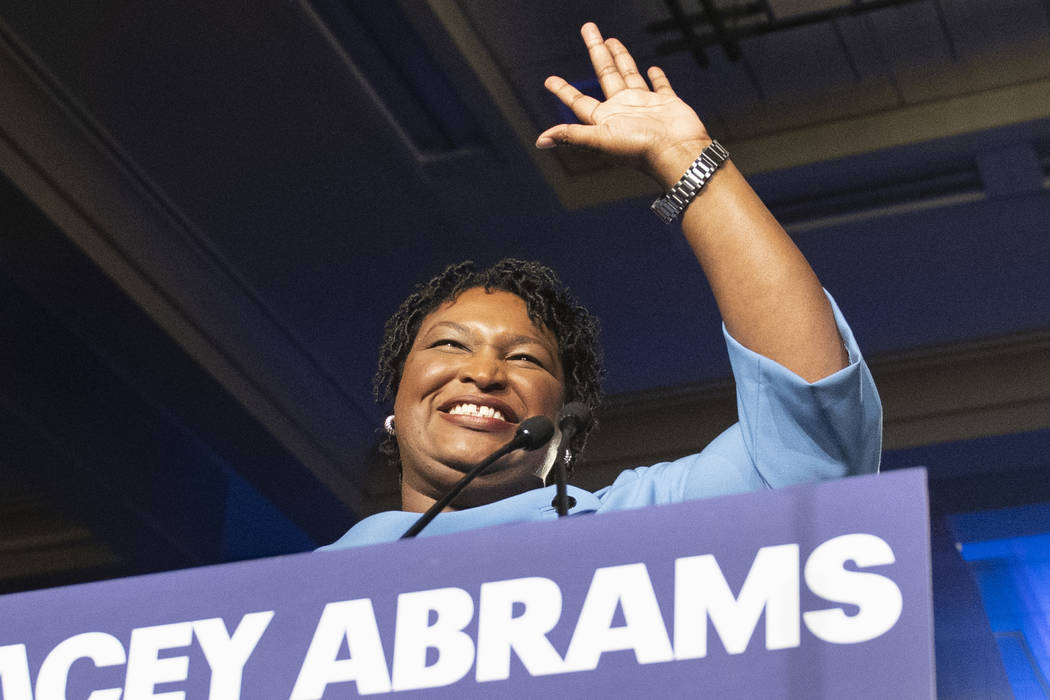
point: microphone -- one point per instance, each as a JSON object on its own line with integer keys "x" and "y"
{"x": 574, "y": 417}
{"x": 532, "y": 434}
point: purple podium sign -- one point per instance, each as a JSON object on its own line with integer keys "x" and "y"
{"x": 811, "y": 591}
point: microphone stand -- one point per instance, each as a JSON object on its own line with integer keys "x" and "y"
{"x": 439, "y": 505}
{"x": 532, "y": 434}
{"x": 574, "y": 416}
{"x": 561, "y": 478}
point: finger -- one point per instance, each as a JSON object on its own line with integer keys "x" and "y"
{"x": 660, "y": 82}
{"x": 569, "y": 135}
{"x": 582, "y": 106}
{"x": 625, "y": 65}
{"x": 602, "y": 61}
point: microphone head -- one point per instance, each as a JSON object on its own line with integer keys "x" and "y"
{"x": 533, "y": 433}
{"x": 574, "y": 416}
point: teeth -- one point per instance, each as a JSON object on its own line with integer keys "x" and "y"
{"x": 471, "y": 409}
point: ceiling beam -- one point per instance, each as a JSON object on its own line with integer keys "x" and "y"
{"x": 83, "y": 183}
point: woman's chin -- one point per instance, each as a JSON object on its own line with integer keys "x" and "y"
{"x": 465, "y": 457}
{"x": 511, "y": 469}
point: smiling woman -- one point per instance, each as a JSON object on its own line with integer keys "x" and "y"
{"x": 541, "y": 332}
{"x": 477, "y": 368}
{"x": 471, "y": 354}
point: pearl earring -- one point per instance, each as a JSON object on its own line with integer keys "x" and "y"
{"x": 388, "y": 424}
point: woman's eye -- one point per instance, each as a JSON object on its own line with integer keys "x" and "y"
{"x": 527, "y": 358}
{"x": 447, "y": 343}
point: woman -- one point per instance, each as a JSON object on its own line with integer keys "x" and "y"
{"x": 471, "y": 354}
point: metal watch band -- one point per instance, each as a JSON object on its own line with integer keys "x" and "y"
{"x": 670, "y": 205}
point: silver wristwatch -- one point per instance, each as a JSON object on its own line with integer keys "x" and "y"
{"x": 670, "y": 205}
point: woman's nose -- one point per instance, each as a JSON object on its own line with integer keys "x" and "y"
{"x": 485, "y": 370}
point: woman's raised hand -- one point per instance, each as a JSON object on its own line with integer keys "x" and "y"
{"x": 770, "y": 299}
{"x": 649, "y": 129}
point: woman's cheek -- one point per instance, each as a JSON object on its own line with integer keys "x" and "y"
{"x": 427, "y": 375}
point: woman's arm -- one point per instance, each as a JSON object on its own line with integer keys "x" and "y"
{"x": 769, "y": 297}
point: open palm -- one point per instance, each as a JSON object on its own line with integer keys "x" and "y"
{"x": 643, "y": 127}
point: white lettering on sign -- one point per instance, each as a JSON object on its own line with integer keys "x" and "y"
{"x": 514, "y": 617}
{"x": 145, "y": 667}
{"x": 629, "y": 588}
{"x": 454, "y": 609}
{"x": 499, "y": 632}
{"x": 103, "y": 649}
{"x": 354, "y": 621}
{"x": 14, "y": 673}
{"x": 226, "y": 656}
{"x": 878, "y": 597}
{"x": 701, "y": 593}
{"x": 770, "y": 589}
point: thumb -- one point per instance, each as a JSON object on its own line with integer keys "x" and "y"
{"x": 569, "y": 134}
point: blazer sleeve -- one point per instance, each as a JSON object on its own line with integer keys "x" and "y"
{"x": 789, "y": 431}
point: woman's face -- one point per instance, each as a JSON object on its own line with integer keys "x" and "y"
{"x": 477, "y": 368}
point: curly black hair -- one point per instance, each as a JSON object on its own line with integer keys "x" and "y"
{"x": 548, "y": 303}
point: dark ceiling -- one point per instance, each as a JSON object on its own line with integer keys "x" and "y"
{"x": 210, "y": 209}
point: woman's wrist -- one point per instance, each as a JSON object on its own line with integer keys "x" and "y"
{"x": 670, "y": 205}
{"x": 670, "y": 164}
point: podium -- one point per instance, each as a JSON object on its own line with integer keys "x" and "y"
{"x": 810, "y": 591}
